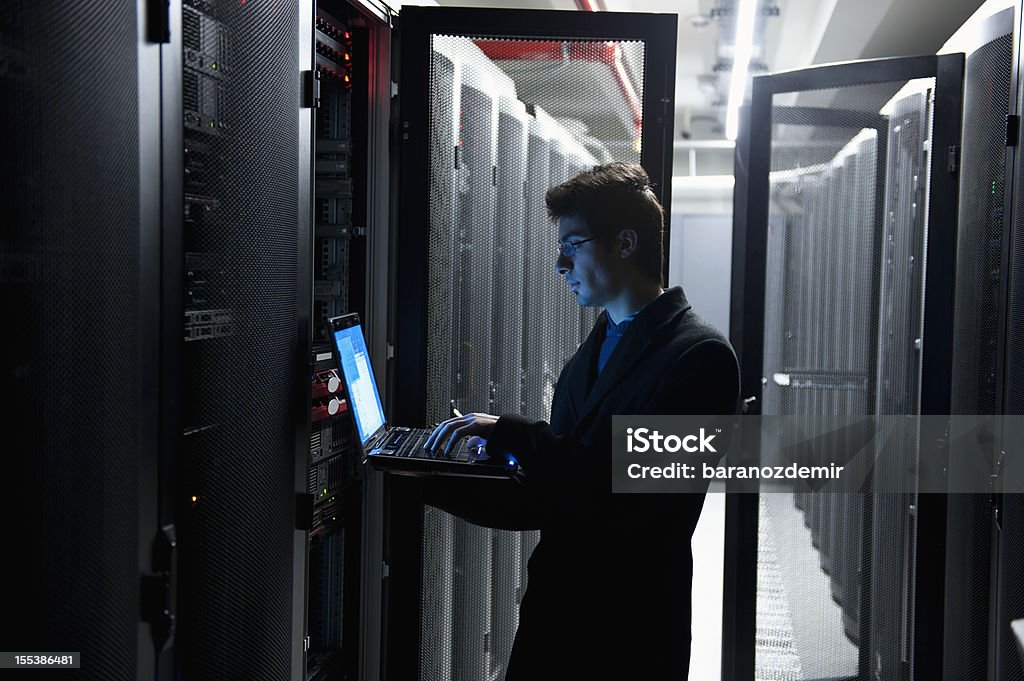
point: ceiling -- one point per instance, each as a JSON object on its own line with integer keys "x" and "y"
{"x": 803, "y": 32}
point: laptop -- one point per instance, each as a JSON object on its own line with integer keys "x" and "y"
{"x": 396, "y": 449}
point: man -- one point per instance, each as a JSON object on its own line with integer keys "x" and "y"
{"x": 609, "y": 583}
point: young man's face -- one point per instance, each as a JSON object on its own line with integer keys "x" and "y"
{"x": 593, "y": 272}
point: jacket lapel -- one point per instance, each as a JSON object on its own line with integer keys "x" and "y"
{"x": 628, "y": 352}
{"x": 645, "y": 330}
{"x": 579, "y": 376}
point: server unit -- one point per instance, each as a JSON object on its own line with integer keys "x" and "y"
{"x": 346, "y": 77}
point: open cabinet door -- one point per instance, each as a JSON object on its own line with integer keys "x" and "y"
{"x": 845, "y": 236}
{"x": 495, "y": 107}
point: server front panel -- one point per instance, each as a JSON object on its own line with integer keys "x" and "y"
{"x": 241, "y": 370}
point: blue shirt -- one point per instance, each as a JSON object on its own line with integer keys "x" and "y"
{"x": 613, "y": 332}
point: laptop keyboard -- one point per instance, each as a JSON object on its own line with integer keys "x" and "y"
{"x": 409, "y": 443}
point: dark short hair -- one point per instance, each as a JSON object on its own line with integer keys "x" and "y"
{"x": 613, "y": 197}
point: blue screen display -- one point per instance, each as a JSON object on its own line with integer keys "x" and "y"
{"x": 364, "y": 400}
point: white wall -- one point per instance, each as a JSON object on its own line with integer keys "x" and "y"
{"x": 700, "y": 255}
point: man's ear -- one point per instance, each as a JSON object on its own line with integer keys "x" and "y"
{"x": 628, "y": 241}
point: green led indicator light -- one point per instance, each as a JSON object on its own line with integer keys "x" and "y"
{"x": 213, "y": 124}
{"x": 213, "y": 66}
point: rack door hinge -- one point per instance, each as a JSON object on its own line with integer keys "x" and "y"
{"x": 1012, "y": 130}
{"x": 158, "y": 590}
{"x": 310, "y": 89}
{"x": 952, "y": 159}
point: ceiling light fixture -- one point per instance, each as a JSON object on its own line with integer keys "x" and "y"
{"x": 744, "y": 46}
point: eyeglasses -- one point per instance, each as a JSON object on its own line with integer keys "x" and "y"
{"x": 568, "y": 248}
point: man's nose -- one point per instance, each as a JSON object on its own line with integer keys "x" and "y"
{"x": 563, "y": 265}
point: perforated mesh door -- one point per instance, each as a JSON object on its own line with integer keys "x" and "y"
{"x": 843, "y": 309}
{"x": 70, "y": 285}
{"x": 1011, "y": 587}
{"x": 975, "y": 343}
{"x": 242, "y": 367}
{"x": 509, "y": 119}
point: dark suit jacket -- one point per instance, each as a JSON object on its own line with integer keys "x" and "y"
{"x": 609, "y": 582}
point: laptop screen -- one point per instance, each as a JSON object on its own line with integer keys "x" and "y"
{"x": 359, "y": 380}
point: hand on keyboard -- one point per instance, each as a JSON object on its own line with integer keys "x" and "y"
{"x": 449, "y": 432}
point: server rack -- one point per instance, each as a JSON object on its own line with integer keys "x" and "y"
{"x": 350, "y": 78}
{"x": 1009, "y": 510}
{"x": 838, "y": 210}
{"x": 286, "y": 132}
{"x": 241, "y": 227}
{"x": 972, "y": 533}
{"x": 81, "y": 375}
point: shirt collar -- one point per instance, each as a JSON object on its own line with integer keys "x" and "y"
{"x": 620, "y": 328}
{"x": 622, "y": 325}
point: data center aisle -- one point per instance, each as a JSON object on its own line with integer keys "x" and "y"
{"x": 799, "y": 625}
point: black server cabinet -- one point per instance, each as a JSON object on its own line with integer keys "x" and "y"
{"x": 237, "y": 232}
{"x": 840, "y": 200}
{"x": 972, "y": 532}
{"x": 483, "y": 130}
{"x": 1009, "y": 525}
{"x": 80, "y": 289}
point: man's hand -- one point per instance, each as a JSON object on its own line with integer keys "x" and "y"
{"x": 451, "y": 431}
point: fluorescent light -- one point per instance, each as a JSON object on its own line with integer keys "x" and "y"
{"x": 704, "y": 144}
{"x": 702, "y": 182}
{"x": 740, "y": 64}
